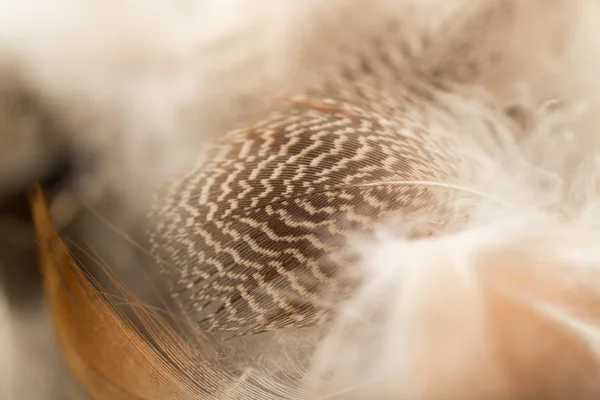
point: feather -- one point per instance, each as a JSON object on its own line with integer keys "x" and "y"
{"x": 94, "y": 338}
{"x": 390, "y": 233}
{"x": 115, "y": 359}
{"x": 107, "y": 353}
{"x": 251, "y": 237}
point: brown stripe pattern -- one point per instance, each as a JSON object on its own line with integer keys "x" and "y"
{"x": 252, "y": 239}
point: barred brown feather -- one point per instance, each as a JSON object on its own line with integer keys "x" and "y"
{"x": 250, "y": 241}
